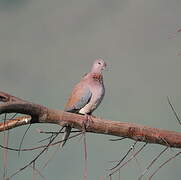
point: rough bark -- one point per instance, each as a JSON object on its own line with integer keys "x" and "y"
{"x": 41, "y": 114}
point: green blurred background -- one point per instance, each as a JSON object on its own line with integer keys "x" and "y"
{"x": 46, "y": 46}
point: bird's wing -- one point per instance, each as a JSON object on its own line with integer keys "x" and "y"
{"x": 80, "y": 96}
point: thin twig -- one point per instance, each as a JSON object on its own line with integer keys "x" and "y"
{"x": 38, "y": 172}
{"x": 174, "y": 111}
{"x": 5, "y": 152}
{"x": 38, "y": 147}
{"x": 85, "y": 157}
{"x": 130, "y": 149}
{"x": 54, "y": 132}
{"x": 23, "y": 168}
{"x": 51, "y": 157}
{"x": 171, "y": 158}
{"x": 23, "y": 138}
{"x": 58, "y": 148}
{"x": 118, "y": 139}
{"x": 33, "y": 178}
{"x": 133, "y": 156}
{"x": 152, "y": 162}
{"x": 50, "y": 137}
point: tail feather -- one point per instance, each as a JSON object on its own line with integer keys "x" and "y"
{"x": 66, "y": 135}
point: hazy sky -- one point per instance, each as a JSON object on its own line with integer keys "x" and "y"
{"x": 46, "y": 46}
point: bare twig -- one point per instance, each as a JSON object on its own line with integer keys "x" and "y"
{"x": 85, "y": 157}
{"x": 118, "y": 139}
{"x": 54, "y": 132}
{"x": 171, "y": 158}
{"x": 38, "y": 172}
{"x": 31, "y": 162}
{"x": 130, "y": 149}
{"x": 152, "y": 162}
{"x": 51, "y": 157}
{"x": 48, "y": 138}
{"x": 5, "y": 152}
{"x": 173, "y": 109}
{"x": 59, "y": 142}
{"x": 38, "y": 147}
{"x": 23, "y": 138}
{"x": 125, "y": 163}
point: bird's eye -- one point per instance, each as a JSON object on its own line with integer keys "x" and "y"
{"x": 99, "y": 63}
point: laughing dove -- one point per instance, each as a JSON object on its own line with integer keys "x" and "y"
{"x": 87, "y": 94}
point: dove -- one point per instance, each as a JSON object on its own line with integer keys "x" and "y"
{"x": 87, "y": 95}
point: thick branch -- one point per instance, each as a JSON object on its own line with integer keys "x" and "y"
{"x": 41, "y": 114}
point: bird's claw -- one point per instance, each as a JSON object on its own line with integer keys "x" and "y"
{"x": 87, "y": 122}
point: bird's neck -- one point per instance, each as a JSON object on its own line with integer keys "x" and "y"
{"x": 97, "y": 77}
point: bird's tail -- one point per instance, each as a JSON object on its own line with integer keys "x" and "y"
{"x": 66, "y": 135}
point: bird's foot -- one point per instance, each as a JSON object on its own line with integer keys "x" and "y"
{"x": 86, "y": 123}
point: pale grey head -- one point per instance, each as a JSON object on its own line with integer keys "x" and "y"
{"x": 98, "y": 66}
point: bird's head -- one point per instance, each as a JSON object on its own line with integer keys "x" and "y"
{"x": 98, "y": 66}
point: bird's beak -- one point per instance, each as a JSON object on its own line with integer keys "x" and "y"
{"x": 104, "y": 67}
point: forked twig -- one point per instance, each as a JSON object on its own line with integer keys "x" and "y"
{"x": 31, "y": 162}
{"x": 51, "y": 157}
{"x": 38, "y": 147}
{"x": 38, "y": 172}
{"x": 125, "y": 163}
{"x": 50, "y": 137}
{"x": 130, "y": 149}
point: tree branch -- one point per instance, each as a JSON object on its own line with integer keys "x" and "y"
{"x": 40, "y": 114}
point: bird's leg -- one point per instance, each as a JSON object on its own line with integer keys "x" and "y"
{"x": 86, "y": 123}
